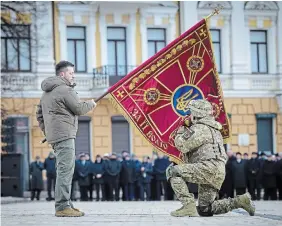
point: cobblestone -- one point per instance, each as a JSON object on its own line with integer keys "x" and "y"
{"x": 41, "y": 213}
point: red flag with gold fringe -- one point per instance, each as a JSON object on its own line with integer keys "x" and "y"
{"x": 155, "y": 96}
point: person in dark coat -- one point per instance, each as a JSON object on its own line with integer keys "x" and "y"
{"x": 253, "y": 173}
{"x": 123, "y": 155}
{"x": 279, "y": 175}
{"x": 36, "y": 168}
{"x": 153, "y": 180}
{"x": 98, "y": 175}
{"x": 136, "y": 177}
{"x": 227, "y": 188}
{"x": 106, "y": 160}
{"x": 160, "y": 166}
{"x": 239, "y": 174}
{"x": 83, "y": 169}
{"x": 90, "y": 175}
{"x": 127, "y": 177}
{"x": 120, "y": 185}
{"x": 146, "y": 171}
{"x": 50, "y": 167}
{"x": 113, "y": 168}
{"x": 269, "y": 178}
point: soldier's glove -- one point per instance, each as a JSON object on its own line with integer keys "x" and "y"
{"x": 171, "y": 171}
{"x": 181, "y": 130}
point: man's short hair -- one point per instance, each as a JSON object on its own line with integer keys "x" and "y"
{"x": 62, "y": 65}
{"x": 238, "y": 153}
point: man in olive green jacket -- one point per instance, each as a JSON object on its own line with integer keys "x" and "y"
{"x": 57, "y": 115}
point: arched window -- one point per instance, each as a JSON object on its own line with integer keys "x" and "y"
{"x": 212, "y": 4}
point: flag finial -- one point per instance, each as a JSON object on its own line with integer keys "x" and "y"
{"x": 216, "y": 11}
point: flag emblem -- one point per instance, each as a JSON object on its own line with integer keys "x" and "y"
{"x": 155, "y": 96}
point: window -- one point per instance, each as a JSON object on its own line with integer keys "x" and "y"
{"x": 76, "y": 41}
{"x": 215, "y": 33}
{"x": 117, "y": 62}
{"x": 83, "y": 140}
{"x": 120, "y": 135}
{"x": 16, "y": 48}
{"x": 156, "y": 40}
{"x": 265, "y": 132}
{"x": 259, "y": 51}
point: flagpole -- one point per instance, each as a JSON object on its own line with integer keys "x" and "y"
{"x": 101, "y": 97}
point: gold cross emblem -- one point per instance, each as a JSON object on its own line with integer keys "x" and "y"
{"x": 217, "y": 10}
{"x": 203, "y": 33}
{"x": 120, "y": 94}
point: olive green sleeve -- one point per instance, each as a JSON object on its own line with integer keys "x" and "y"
{"x": 77, "y": 106}
{"x": 200, "y": 136}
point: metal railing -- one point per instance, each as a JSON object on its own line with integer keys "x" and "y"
{"x": 113, "y": 72}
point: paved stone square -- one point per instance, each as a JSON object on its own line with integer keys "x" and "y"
{"x": 41, "y": 213}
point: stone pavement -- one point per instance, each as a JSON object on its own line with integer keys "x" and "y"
{"x": 41, "y": 213}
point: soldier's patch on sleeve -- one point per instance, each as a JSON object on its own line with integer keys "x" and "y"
{"x": 188, "y": 133}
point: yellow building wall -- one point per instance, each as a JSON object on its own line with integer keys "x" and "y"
{"x": 243, "y": 120}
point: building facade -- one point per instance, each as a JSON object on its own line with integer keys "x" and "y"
{"x": 108, "y": 40}
{"x": 248, "y": 48}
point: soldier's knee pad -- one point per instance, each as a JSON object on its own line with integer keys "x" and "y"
{"x": 205, "y": 211}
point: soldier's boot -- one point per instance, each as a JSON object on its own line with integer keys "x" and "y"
{"x": 68, "y": 212}
{"x": 245, "y": 202}
{"x": 189, "y": 210}
{"x": 181, "y": 191}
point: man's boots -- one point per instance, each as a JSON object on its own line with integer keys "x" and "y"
{"x": 245, "y": 202}
{"x": 69, "y": 212}
{"x": 189, "y": 210}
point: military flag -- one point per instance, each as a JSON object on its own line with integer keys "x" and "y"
{"x": 155, "y": 96}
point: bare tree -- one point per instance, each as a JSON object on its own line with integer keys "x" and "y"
{"x": 20, "y": 25}
{"x": 18, "y": 34}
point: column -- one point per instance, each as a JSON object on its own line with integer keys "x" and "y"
{"x": 132, "y": 42}
{"x": 143, "y": 28}
{"x": 279, "y": 37}
{"x": 225, "y": 46}
{"x": 240, "y": 40}
{"x": 63, "y": 37}
{"x": 271, "y": 47}
{"x": 188, "y": 15}
{"x": 44, "y": 36}
{"x": 172, "y": 29}
{"x": 103, "y": 36}
{"x": 91, "y": 43}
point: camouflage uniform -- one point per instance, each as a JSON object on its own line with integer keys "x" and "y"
{"x": 205, "y": 158}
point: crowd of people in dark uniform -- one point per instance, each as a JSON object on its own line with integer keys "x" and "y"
{"x": 259, "y": 174}
{"x": 113, "y": 177}
{"x": 123, "y": 177}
